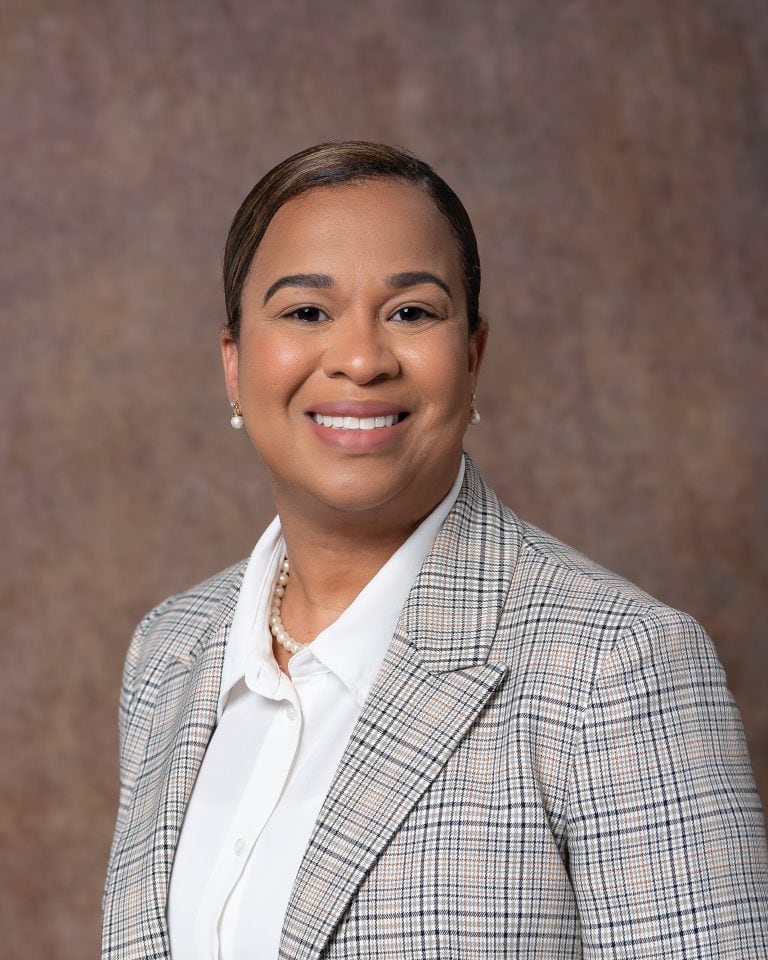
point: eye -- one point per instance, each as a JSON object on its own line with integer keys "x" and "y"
{"x": 308, "y": 315}
{"x": 411, "y": 314}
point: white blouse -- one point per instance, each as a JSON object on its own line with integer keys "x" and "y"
{"x": 274, "y": 753}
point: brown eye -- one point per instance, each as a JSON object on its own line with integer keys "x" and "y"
{"x": 309, "y": 315}
{"x": 410, "y": 314}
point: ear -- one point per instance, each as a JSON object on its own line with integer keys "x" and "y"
{"x": 477, "y": 343}
{"x": 230, "y": 359}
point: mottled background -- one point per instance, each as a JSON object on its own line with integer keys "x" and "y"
{"x": 613, "y": 154}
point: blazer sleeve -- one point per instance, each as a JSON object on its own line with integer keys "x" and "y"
{"x": 126, "y": 698}
{"x": 130, "y": 753}
{"x": 666, "y": 836}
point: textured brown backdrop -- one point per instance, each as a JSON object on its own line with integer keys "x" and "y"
{"x": 614, "y": 157}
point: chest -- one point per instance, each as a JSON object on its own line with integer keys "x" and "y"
{"x": 478, "y": 868}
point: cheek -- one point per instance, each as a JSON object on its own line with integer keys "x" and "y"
{"x": 272, "y": 365}
{"x": 442, "y": 373}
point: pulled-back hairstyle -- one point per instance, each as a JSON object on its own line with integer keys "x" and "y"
{"x": 334, "y": 164}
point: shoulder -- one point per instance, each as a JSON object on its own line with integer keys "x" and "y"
{"x": 569, "y": 610}
{"x": 568, "y": 623}
{"x": 622, "y": 628}
{"x": 556, "y": 575}
{"x": 569, "y": 591}
{"x": 173, "y": 629}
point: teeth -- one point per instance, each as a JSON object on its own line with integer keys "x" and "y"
{"x": 355, "y": 423}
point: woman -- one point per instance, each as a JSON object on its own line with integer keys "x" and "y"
{"x": 411, "y": 725}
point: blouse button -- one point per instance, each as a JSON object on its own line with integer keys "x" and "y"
{"x": 239, "y": 846}
{"x": 290, "y": 712}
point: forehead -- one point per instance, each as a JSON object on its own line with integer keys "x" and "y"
{"x": 389, "y": 225}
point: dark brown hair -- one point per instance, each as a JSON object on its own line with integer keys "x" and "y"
{"x": 333, "y": 164}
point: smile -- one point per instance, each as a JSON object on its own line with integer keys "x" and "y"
{"x": 358, "y": 423}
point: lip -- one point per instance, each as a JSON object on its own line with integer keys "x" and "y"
{"x": 356, "y": 408}
{"x": 357, "y": 441}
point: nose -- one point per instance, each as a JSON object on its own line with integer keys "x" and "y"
{"x": 359, "y": 348}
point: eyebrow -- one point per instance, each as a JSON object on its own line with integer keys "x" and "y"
{"x": 399, "y": 281}
{"x": 415, "y": 277}
{"x": 299, "y": 280}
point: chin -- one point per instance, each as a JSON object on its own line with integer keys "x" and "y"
{"x": 357, "y": 490}
{"x": 402, "y": 488}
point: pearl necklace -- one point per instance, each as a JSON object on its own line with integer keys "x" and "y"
{"x": 276, "y": 627}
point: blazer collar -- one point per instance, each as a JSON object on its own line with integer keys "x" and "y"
{"x": 454, "y": 607}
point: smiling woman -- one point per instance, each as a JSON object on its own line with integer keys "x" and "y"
{"x": 411, "y": 725}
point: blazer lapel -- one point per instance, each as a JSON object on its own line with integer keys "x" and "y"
{"x": 432, "y": 685}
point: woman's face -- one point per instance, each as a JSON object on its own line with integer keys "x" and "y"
{"x": 355, "y": 367}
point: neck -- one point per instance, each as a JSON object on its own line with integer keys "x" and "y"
{"x": 334, "y": 554}
{"x": 328, "y": 572}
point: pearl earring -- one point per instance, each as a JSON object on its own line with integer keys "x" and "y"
{"x": 237, "y": 415}
{"x": 474, "y": 413}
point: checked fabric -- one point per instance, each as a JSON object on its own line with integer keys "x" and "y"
{"x": 549, "y": 765}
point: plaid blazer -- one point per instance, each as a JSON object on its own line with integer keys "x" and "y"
{"x": 549, "y": 765}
